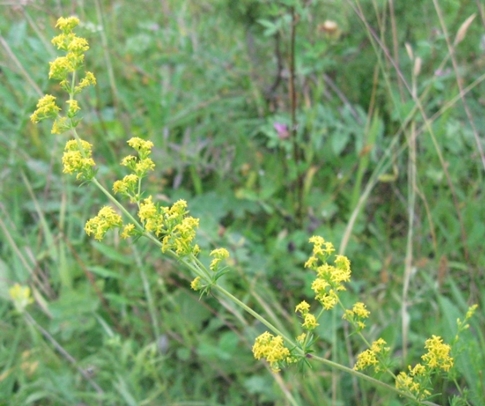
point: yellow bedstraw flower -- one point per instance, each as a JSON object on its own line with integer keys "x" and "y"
{"x": 126, "y": 186}
{"x": 370, "y": 356}
{"x": 195, "y": 284}
{"x": 360, "y": 311}
{"x": 73, "y": 108}
{"x": 106, "y": 219}
{"x": 77, "y": 159}
{"x": 128, "y": 231}
{"x": 356, "y": 315}
{"x": 272, "y": 349}
{"x": 20, "y": 296}
{"x": 150, "y": 216}
{"x": 412, "y": 381}
{"x": 438, "y": 355}
{"x": 303, "y": 308}
{"x": 67, "y": 24}
{"x": 46, "y": 108}
{"x": 88, "y": 80}
{"x": 219, "y": 255}
{"x": 365, "y": 359}
{"x": 310, "y": 322}
{"x": 61, "y": 125}
{"x": 321, "y": 251}
{"x": 407, "y": 383}
{"x": 140, "y": 165}
{"x": 180, "y": 238}
{"x": 143, "y": 147}
{"x": 327, "y": 300}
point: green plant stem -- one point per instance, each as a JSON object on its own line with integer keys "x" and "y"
{"x": 148, "y": 294}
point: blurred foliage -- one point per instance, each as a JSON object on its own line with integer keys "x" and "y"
{"x": 207, "y": 81}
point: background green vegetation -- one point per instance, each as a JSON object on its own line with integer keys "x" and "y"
{"x": 395, "y": 182}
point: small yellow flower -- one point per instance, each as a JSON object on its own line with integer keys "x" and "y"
{"x": 319, "y": 285}
{"x": 67, "y": 24}
{"x": 143, "y": 147}
{"x": 303, "y": 307}
{"x": 321, "y": 251}
{"x": 127, "y": 185}
{"x": 366, "y": 359}
{"x": 181, "y": 237}
{"x": 360, "y": 311}
{"x": 219, "y": 255}
{"x": 143, "y": 166}
{"x": 409, "y": 383}
{"x": 128, "y": 231}
{"x": 63, "y": 65}
{"x": 369, "y": 357}
{"x": 106, "y": 220}
{"x": 310, "y": 322}
{"x": 179, "y": 208}
{"x": 343, "y": 263}
{"x": 73, "y": 108}
{"x": 471, "y": 311}
{"x": 438, "y": 355}
{"x": 78, "y": 45}
{"x": 327, "y": 300}
{"x": 378, "y": 346}
{"x": 61, "y": 125}
{"x": 417, "y": 370}
{"x": 406, "y": 383}
{"x": 195, "y": 284}
{"x": 88, "y": 80}
{"x": 301, "y": 338}
{"x": 20, "y": 296}
{"x": 46, "y": 108}
{"x": 78, "y": 159}
{"x": 147, "y": 210}
{"x": 272, "y": 349}
{"x": 356, "y": 315}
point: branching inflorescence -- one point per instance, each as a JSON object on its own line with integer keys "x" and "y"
{"x": 174, "y": 231}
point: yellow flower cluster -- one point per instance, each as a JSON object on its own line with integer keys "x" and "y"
{"x": 437, "y": 358}
{"x": 77, "y": 158}
{"x": 46, "y": 108}
{"x": 438, "y": 355}
{"x": 330, "y": 278}
{"x": 309, "y": 320}
{"x": 373, "y": 356}
{"x": 20, "y": 296}
{"x": 218, "y": 256}
{"x": 172, "y": 224}
{"x": 140, "y": 166}
{"x": 196, "y": 283}
{"x": 61, "y": 68}
{"x": 414, "y": 381}
{"x": 357, "y": 315}
{"x": 106, "y": 220}
{"x": 74, "y": 47}
{"x": 273, "y": 350}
